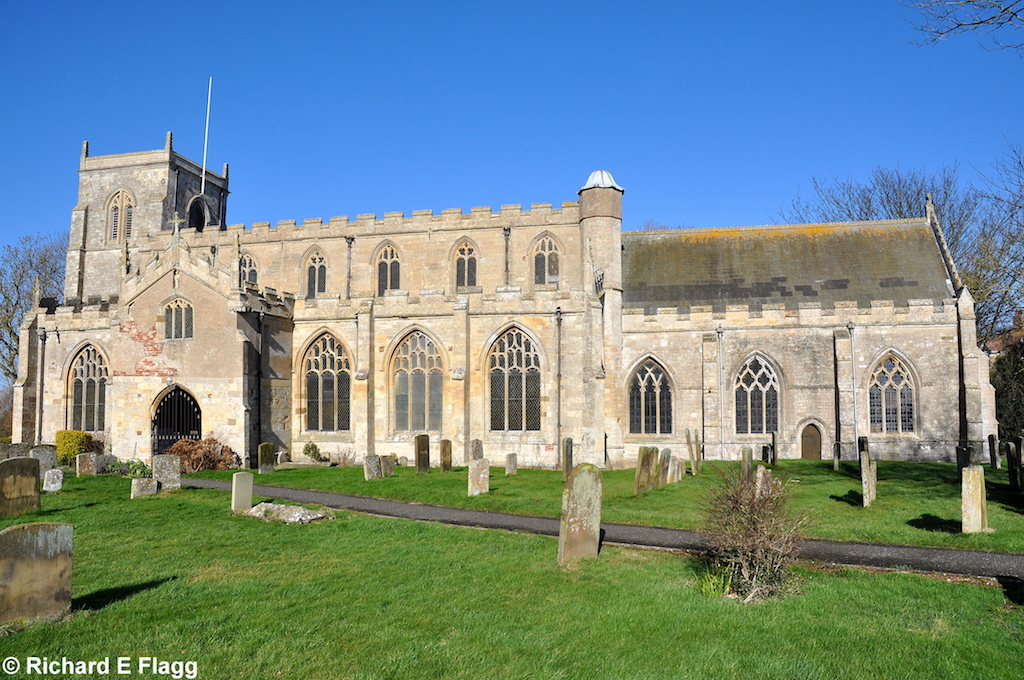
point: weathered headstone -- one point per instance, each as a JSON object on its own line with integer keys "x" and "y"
{"x": 565, "y": 461}
{"x": 422, "y": 454}
{"x": 53, "y": 480}
{"x": 167, "y": 471}
{"x": 265, "y": 458}
{"x": 241, "y": 492}
{"x": 837, "y": 450}
{"x": 763, "y": 482}
{"x": 35, "y": 570}
{"x": 404, "y": 461}
{"x": 479, "y": 476}
{"x": 993, "y": 452}
{"x": 747, "y": 463}
{"x": 862, "y": 448}
{"x": 677, "y": 469}
{"x": 579, "y": 534}
{"x": 46, "y": 454}
{"x": 973, "y": 502}
{"x": 446, "y": 455}
{"x": 691, "y": 453}
{"x": 371, "y": 467}
{"x": 1012, "y": 461}
{"x": 647, "y": 470}
{"x": 699, "y": 450}
{"x": 19, "y": 486}
{"x": 1017, "y": 482}
{"x": 85, "y": 464}
{"x": 104, "y": 461}
{"x": 868, "y": 478}
{"x": 144, "y": 486}
{"x": 511, "y": 465}
{"x": 664, "y": 465}
{"x": 476, "y": 449}
{"x": 774, "y": 457}
{"x": 387, "y": 466}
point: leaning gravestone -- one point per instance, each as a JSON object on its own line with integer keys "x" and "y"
{"x": 446, "y": 455}
{"x": 46, "y": 455}
{"x": 511, "y": 465}
{"x": 387, "y": 466}
{"x": 19, "y": 486}
{"x": 566, "y": 459}
{"x": 53, "y": 480}
{"x": 774, "y": 454}
{"x": 422, "y": 454}
{"x": 646, "y": 470}
{"x": 747, "y": 464}
{"x": 167, "y": 471}
{"x": 678, "y": 469}
{"x": 476, "y": 449}
{"x": 144, "y": 486}
{"x": 579, "y": 534}
{"x": 665, "y": 464}
{"x": 241, "y": 492}
{"x": 993, "y": 452}
{"x": 973, "y": 503}
{"x": 479, "y": 476}
{"x": 265, "y": 458}
{"x": 85, "y": 464}
{"x": 35, "y": 570}
{"x": 371, "y": 467}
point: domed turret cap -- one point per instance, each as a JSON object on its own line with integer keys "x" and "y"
{"x": 600, "y": 179}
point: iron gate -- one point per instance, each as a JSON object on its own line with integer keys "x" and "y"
{"x": 177, "y": 417}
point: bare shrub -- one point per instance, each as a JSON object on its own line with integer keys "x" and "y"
{"x": 752, "y": 535}
{"x": 208, "y": 454}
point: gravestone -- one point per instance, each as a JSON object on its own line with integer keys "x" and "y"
{"x": 511, "y": 465}
{"x": 566, "y": 457}
{"x": 677, "y": 469}
{"x": 973, "y": 503}
{"x": 104, "y": 461}
{"x": 964, "y": 456}
{"x": 690, "y": 453}
{"x": 167, "y": 471}
{"x": 19, "y": 486}
{"x": 265, "y": 458}
{"x": 387, "y": 466}
{"x": 446, "y": 455}
{"x": 46, "y": 455}
{"x": 837, "y": 450}
{"x": 698, "y": 449}
{"x": 404, "y": 461}
{"x": 479, "y": 476}
{"x": 773, "y": 459}
{"x": 993, "y": 452}
{"x": 241, "y": 492}
{"x": 35, "y": 571}
{"x": 647, "y": 470}
{"x": 53, "y": 481}
{"x": 664, "y": 465}
{"x": 85, "y": 464}
{"x": 371, "y": 467}
{"x": 579, "y": 533}
{"x": 144, "y": 486}
{"x": 868, "y": 478}
{"x": 747, "y": 464}
{"x": 763, "y": 482}
{"x": 1018, "y": 482}
{"x": 422, "y": 454}
{"x": 862, "y": 448}
{"x": 1012, "y": 462}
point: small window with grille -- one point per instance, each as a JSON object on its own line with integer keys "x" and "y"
{"x": 178, "y": 320}
{"x": 891, "y": 397}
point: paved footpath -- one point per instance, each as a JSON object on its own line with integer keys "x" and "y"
{"x": 943, "y": 560}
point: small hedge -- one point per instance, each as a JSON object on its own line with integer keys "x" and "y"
{"x": 70, "y": 443}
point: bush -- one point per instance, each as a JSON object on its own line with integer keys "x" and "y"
{"x": 208, "y": 454}
{"x": 752, "y": 535}
{"x": 70, "y": 443}
{"x": 130, "y": 468}
{"x": 312, "y": 451}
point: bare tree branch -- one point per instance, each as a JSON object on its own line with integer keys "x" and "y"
{"x": 944, "y": 18}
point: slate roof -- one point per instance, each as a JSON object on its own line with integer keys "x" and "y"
{"x": 896, "y": 260}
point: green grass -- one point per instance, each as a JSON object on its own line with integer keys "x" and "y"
{"x": 177, "y": 577}
{"x": 917, "y": 504}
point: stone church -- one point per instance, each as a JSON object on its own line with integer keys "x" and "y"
{"x": 514, "y": 326}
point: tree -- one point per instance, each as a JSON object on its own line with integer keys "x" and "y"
{"x": 1008, "y": 381}
{"x": 33, "y": 258}
{"x": 999, "y": 18}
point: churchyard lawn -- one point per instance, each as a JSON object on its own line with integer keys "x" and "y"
{"x": 177, "y": 577}
{"x": 917, "y": 504}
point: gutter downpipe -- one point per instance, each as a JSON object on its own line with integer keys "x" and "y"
{"x": 558, "y": 379}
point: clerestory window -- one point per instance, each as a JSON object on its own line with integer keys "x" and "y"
{"x": 388, "y": 270}
{"x": 545, "y": 263}
{"x": 316, "y": 275}
{"x": 465, "y": 266}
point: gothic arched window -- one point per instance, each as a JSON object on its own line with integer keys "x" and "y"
{"x": 419, "y": 385}
{"x": 247, "y": 272}
{"x": 650, "y": 400}
{"x": 178, "y": 321}
{"x": 388, "y": 270}
{"x": 121, "y": 211}
{"x": 545, "y": 262}
{"x": 514, "y": 369}
{"x": 328, "y": 385}
{"x": 465, "y": 265}
{"x": 316, "y": 275}
{"x": 891, "y": 397}
{"x": 757, "y": 398}
{"x": 88, "y": 378}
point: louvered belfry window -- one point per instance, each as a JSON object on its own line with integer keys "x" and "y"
{"x": 514, "y": 367}
{"x": 120, "y": 210}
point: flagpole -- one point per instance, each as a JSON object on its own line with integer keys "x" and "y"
{"x": 206, "y": 137}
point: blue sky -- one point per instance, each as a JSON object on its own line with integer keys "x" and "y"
{"x": 708, "y": 114}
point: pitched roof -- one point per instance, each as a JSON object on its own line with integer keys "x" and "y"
{"x": 896, "y": 260}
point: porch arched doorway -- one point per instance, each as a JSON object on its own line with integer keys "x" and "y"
{"x": 810, "y": 443}
{"x": 177, "y": 416}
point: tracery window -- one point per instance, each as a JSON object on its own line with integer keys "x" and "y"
{"x": 247, "y": 272}
{"x": 316, "y": 275}
{"x": 89, "y": 378}
{"x": 328, "y": 385}
{"x": 388, "y": 270}
{"x": 650, "y": 400}
{"x": 891, "y": 397}
{"x": 545, "y": 262}
{"x": 514, "y": 367}
{"x": 757, "y": 398}
{"x": 121, "y": 212}
{"x": 178, "y": 320}
{"x": 419, "y": 384}
{"x": 465, "y": 265}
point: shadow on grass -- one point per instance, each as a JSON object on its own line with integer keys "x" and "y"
{"x": 933, "y": 523}
{"x": 1013, "y": 589}
{"x": 1000, "y": 493}
{"x": 851, "y": 497}
{"x": 54, "y": 511}
{"x": 102, "y": 598}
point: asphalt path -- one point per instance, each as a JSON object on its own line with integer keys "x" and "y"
{"x": 941, "y": 560}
